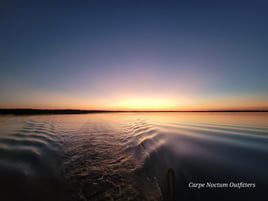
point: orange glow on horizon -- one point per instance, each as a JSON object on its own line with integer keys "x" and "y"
{"x": 125, "y": 102}
{"x": 145, "y": 104}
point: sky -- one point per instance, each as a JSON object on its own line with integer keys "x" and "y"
{"x": 134, "y": 55}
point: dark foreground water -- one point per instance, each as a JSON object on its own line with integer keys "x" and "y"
{"x": 126, "y": 156}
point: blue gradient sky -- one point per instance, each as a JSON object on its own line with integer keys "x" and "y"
{"x": 134, "y": 54}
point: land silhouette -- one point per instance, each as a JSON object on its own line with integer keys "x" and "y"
{"x": 29, "y": 111}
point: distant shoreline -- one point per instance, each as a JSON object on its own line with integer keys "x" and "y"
{"x": 75, "y": 111}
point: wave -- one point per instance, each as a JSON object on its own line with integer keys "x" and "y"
{"x": 128, "y": 156}
{"x": 30, "y": 160}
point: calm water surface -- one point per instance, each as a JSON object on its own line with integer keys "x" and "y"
{"x": 126, "y": 156}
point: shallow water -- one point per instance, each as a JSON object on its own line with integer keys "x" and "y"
{"x": 126, "y": 156}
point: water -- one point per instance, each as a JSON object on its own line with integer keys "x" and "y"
{"x": 126, "y": 156}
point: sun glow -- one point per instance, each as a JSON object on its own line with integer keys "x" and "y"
{"x": 146, "y": 104}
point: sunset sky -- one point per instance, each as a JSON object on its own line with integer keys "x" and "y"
{"x": 140, "y": 55}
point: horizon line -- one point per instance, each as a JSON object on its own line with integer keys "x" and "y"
{"x": 29, "y": 111}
